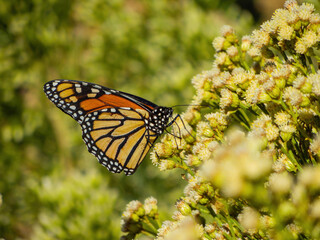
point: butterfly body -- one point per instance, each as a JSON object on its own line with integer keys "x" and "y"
{"x": 117, "y": 127}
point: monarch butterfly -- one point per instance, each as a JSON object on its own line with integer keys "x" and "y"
{"x": 118, "y": 128}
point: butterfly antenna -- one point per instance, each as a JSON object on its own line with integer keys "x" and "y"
{"x": 195, "y": 105}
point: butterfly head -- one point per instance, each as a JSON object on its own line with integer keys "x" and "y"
{"x": 159, "y": 118}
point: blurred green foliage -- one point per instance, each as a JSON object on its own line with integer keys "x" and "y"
{"x": 148, "y": 48}
{"x": 77, "y": 206}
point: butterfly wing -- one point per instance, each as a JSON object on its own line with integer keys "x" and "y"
{"x": 113, "y": 122}
{"x": 118, "y": 138}
{"x": 77, "y": 98}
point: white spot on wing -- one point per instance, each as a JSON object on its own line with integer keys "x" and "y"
{"x": 94, "y": 90}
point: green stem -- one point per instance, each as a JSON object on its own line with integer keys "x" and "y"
{"x": 239, "y": 119}
{"x": 283, "y": 105}
{"x": 300, "y": 66}
{"x": 244, "y": 64}
{"x": 290, "y": 155}
{"x": 232, "y": 233}
{"x": 213, "y": 214}
{"x": 148, "y": 233}
{"x": 244, "y": 114}
{"x": 150, "y": 224}
{"x": 310, "y": 62}
{"x": 185, "y": 167}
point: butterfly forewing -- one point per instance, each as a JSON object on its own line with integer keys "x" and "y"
{"x": 78, "y": 98}
{"x": 117, "y": 127}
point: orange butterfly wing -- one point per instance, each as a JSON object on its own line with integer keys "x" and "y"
{"x": 118, "y": 138}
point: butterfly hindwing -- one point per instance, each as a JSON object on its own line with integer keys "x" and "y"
{"x": 117, "y": 137}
